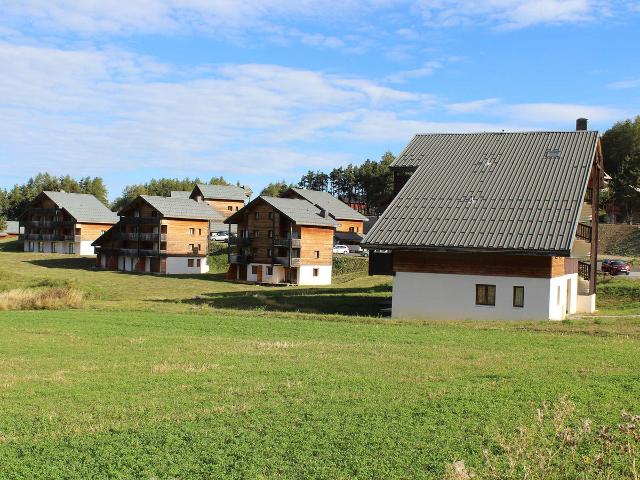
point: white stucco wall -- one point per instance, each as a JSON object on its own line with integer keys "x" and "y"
{"x": 453, "y": 297}
{"x": 276, "y": 277}
{"x": 179, "y": 266}
{"x": 305, "y": 275}
{"x": 79, "y": 248}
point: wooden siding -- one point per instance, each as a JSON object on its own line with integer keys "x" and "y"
{"x": 91, "y": 231}
{"x": 179, "y": 238}
{"x": 263, "y": 224}
{"x": 344, "y": 225}
{"x": 316, "y": 239}
{"x": 222, "y": 206}
{"x": 479, "y": 264}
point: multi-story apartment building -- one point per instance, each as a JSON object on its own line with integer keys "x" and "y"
{"x": 226, "y": 199}
{"x": 281, "y": 240}
{"x": 60, "y": 222}
{"x": 158, "y": 235}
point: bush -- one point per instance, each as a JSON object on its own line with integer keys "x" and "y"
{"x": 560, "y": 445}
{"x": 347, "y": 268}
{"x": 218, "y": 262}
{"x": 48, "y": 298}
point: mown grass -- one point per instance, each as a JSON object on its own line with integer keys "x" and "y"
{"x": 236, "y": 395}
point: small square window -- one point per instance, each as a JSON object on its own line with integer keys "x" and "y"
{"x": 230, "y": 208}
{"x": 352, "y": 229}
{"x": 237, "y": 209}
{"x": 316, "y": 272}
{"x": 190, "y": 262}
{"x": 486, "y": 295}
{"x": 269, "y": 271}
{"x": 254, "y": 270}
{"x": 316, "y": 254}
{"x": 256, "y": 234}
{"x": 256, "y": 215}
{"x": 199, "y": 231}
{"x": 198, "y": 262}
{"x": 192, "y": 231}
{"x": 270, "y": 215}
{"x": 518, "y": 297}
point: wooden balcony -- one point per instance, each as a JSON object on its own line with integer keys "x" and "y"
{"x": 239, "y": 241}
{"x": 52, "y": 237}
{"x": 241, "y": 259}
{"x": 143, "y": 237}
{"x": 584, "y": 232}
{"x": 49, "y": 223}
{"x": 284, "y": 261}
{"x": 140, "y": 220}
{"x": 584, "y": 270}
{"x": 287, "y": 242}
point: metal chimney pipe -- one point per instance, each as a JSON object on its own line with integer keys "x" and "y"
{"x": 581, "y": 124}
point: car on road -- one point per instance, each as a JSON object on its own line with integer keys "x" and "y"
{"x": 616, "y": 267}
{"x": 220, "y": 236}
{"x": 354, "y": 248}
{"x": 341, "y": 249}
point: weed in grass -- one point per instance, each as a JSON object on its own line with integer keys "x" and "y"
{"x": 48, "y": 298}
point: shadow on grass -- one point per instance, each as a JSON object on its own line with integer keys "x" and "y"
{"x": 366, "y": 301}
{"x": 67, "y": 263}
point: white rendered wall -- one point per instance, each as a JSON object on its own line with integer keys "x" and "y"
{"x": 79, "y": 248}
{"x": 276, "y": 277}
{"x": 84, "y": 248}
{"x": 448, "y": 296}
{"x": 179, "y": 265}
{"x": 305, "y": 275}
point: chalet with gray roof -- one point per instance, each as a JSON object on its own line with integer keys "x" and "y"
{"x": 492, "y": 225}
{"x": 60, "y": 222}
{"x": 281, "y": 240}
{"x": 350, "y": 226}
{"x": 226, "y": 199}
{"x": 166, "y": 235}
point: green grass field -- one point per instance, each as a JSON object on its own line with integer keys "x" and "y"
{"x": 159, "y": 377}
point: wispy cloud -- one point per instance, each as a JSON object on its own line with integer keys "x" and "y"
{"x": 626, "y": 83}
{"x": 424, "y": 71}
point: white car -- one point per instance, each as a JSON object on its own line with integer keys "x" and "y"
{"x": 341, "y": 249}
{"x": 220, "y": 236}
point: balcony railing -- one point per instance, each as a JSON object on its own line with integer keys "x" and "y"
{"x": 45, "y": 211}
{"x": 239, "y": 241}
{"x": 584, "y": 270}
{"x": 284, "y": 261}
{"x": 143, "y": 237}
{"x": 139, "y": 220}
{"x": 54, "y": 237}
{"x": 241, "y": 259}
{"x": 287, "y": 242}
{"x": 584, "y": 232}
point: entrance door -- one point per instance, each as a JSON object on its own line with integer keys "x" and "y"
{"x": 259, "y": 274}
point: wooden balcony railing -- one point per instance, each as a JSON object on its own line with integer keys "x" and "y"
{"x": 287, "y": 242}
{"x": 584, "y": 232}
{"x": 239, "y": 241}
{"x": 584, "y": 270}
{"x": 284, "y": 261}
{"x": 241, "y": 259}
{"x": 139, "y": 220}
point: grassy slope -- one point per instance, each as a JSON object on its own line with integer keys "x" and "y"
{"x": 95, "y": 395}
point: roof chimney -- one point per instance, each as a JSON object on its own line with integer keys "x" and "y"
{"x": 581, "y": 124}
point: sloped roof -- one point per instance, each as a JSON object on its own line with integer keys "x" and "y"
{"x": 175, "y": 207}
{"x": 180, "y": 193}
{"x": 223, "y": 192}
{"x": 300, "y": 211}
{"x": 83, "y": 207}
{"x": 336, "y": 208}
{"x": 516, "y": 192}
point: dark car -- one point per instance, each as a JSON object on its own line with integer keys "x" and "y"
{"x": 616, "y": 267}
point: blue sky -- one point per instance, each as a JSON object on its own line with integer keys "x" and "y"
{"x": 261, "y": 90}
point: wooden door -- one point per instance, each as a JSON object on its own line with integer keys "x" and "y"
{"x": 259, "y": 274}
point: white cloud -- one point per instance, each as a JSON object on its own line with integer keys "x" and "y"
{"x": 424, "y": 71}
{"x": 558, "y": 113}
{"x": 626, "y": 83}
{"x": 474, "y": 106}
{"x": 509, "y": 13}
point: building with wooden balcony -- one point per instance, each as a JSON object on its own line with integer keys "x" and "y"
{"x": 226, "y": 199}
{"x": 492, "y": 226}
{"x": 60, "y": 222}
{"x": 165, "y": 235}
{"x": 281, "y": 241}
{"x": 350, "y": 228}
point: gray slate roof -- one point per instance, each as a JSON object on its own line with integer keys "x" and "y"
{"x": 516, "y": 192}
{"x": 172, "y": 207}
{"x": 335, "y": 207}
{"x": 83, "y": 207}
{"x": 223, "y": 192}
{"x": 180, "y": 193}
{"x": 300, "y": 211}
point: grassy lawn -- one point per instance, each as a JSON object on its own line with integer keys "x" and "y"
{"x": 195, "y": 377}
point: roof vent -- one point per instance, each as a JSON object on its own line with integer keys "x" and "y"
{"x": 552, "y": 153}
{"x": 581, "y": 124}
{"x": 469, "y": 200}
{"x": 488, "y": 160}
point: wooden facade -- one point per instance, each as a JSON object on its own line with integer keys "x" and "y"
{"x": 226, "y": 207}
{"x": 266, "y": 237}
{"x": 354, "y": 226}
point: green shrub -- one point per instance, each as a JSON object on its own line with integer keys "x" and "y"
{"x": 347, "y": 268}
{"x": 218, "y": 262}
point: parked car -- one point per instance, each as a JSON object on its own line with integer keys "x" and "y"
{"x": 364, "y": 253}
{"x": 354, "y": 248}
{"x": 616, "y": 267}
{"x": 340, "y": 249}
{"x": 220, "y": 236}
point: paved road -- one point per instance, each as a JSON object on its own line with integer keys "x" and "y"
{"x": 633, "y": 274}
